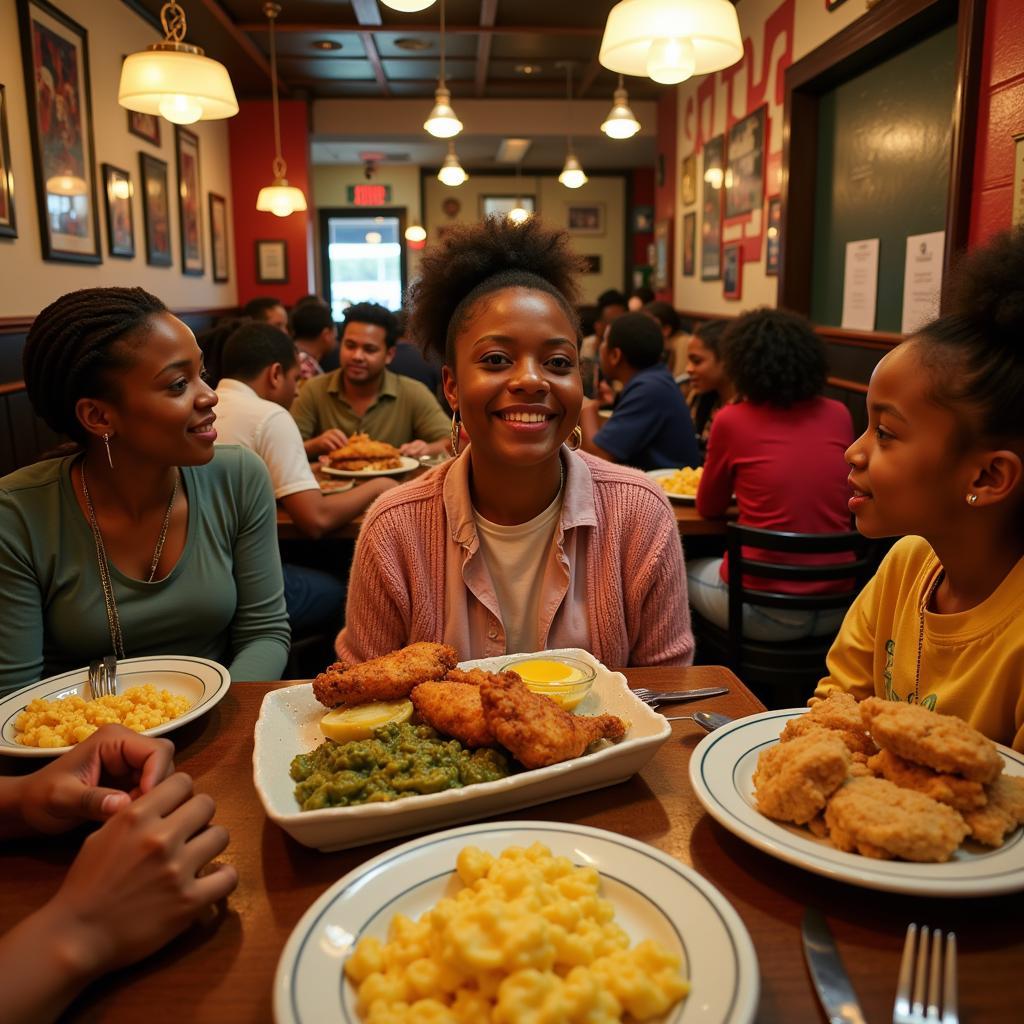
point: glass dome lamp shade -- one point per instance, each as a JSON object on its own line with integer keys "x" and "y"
{"x": 636, "y": 27}
{"x": 442, "y": 122}
{"x": 451, "y": 172}
{"x": 621, "y": 122}
{"x": 408, "y": 6}
{"x": 572, "y": 175}
{"x": 415, "y": 233}
{"x": 174, "y": 79}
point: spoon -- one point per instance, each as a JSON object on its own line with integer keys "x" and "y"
{"x": 709, "y": 721}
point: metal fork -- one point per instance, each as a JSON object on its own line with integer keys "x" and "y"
{"x": 653, "y": 698}
{"x": 932, "y": 974}
{"x": 103, "y": 677}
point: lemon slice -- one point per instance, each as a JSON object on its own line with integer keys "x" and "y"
{"x": 357, "y": 723}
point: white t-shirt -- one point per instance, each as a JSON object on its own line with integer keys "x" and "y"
{"x": 267, "y": 428}
{"x": 517, "y": 558}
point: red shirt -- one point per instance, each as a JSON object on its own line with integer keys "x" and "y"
{"x": 788, "y": 472}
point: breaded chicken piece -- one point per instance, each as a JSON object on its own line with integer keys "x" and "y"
{"x": 453, "y": 708}
{"x": 537, "y": 730}
{"x": 876, "y": 818}
{"x": 1001, "y": 815}
{"x": 839, "y": 713}
{"x": 363, "y": 453}
{"x": 943, "y": 742}
{"x": 475, "y": 676}
{"x": 390, "y": 677}
{"x": 961, "y": 794}
{"x": 793, "y": 780}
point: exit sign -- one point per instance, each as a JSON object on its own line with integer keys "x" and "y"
{"x": 369, "y": 195}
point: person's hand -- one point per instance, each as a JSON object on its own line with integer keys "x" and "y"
{"x": 142, "y": 878}
{"x": 68, "y": 791}
{"x": 415, "y": 449}
{"x": 605, "y": 393}
{"x": 325, "y": 443}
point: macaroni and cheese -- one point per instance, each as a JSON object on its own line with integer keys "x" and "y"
{"x": 528, "y": 940}
{"x": 683, "y": 482}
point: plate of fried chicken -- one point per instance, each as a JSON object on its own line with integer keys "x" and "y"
{"x": 363, "y": 457}
{"x": 882, "y": 794}
{"x": 558, "y": 753}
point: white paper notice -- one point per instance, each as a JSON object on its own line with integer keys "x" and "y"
{"x": 922, "y": 279}
{"x": 860, "y": 285}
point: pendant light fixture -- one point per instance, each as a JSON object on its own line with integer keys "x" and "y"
{"x": 671, "y": 40}
{"x": 415, "y": 233}
{"x": 279, "y": 198}
{"x": 442, "y": 122}
{"x": 572, "y": 175}
{"x": 621, "y": 122}
{"x": 175, "y": 79}
{"x": 407, "y": 6}
{"x": 451, "y": 172}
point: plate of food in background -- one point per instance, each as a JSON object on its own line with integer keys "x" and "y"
{"x": 881, "y": 794}
{"x": 154, "y": 695}
{"x": 364, "y": 457}
{"x": 481, "y": 742}
{"x": 678, "y": 484}
{"x": 675, "y": 951}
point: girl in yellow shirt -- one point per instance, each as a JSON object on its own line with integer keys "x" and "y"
{"x": 942, "y": 622}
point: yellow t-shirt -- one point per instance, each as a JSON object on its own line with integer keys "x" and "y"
{"x": 972, "y": 662}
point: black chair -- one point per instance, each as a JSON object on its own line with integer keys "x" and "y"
{"x": 782, "y": 674}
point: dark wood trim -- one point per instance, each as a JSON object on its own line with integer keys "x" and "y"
{"x": 251, "y": 50}
{"x": 859, "y": 339}
{"x": 20, "y": 324}
{"x": 847, "y": 385}
{"x": 488, "y": 14}
{"x": 799, "y": 170}
{"x": 429, "y": 28}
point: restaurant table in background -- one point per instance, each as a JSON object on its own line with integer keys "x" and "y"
{"x": 224, "y": 973}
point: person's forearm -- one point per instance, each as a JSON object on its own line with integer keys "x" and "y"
{"x": 439, "y": 447}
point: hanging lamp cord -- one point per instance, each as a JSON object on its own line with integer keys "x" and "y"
{"x": 568, "y": 104}
{"x": 442, "y": 44}
{"x": 280, "y": 167}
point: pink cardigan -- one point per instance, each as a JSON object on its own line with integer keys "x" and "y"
{"x": 635, "y": 578}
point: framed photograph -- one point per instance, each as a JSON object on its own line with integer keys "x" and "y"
{"x": 219, "y": 257}
{"x": 744, "y": 176}
{"x": 585, "y": 218}
{"x": 186, "y": 145}
{"x": 711, "y": 208}
{"x": 156, "y": 210}
{"x": 688, "y": 180}
{"x": 146, "y": 126}
{"x": 55, "y": 56}
{"x": 117, "y": 198}
{"x": 732, "y": 271}
{"x": 662, "y": 255}
{"x": 501, "y": 205}
{"x": 8, "y": 223}
{"x": 272, "y": 261}
{"x": 773, "y": 237}
{"x": 593, "y": 264}
{"x": 643, "y": 219}
{"x": 689, "y": 244}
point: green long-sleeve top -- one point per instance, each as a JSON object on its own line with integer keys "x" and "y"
{"x": 224, "y": 599}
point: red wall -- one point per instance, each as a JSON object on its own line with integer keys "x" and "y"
{"x": 251, "y": 139}
{"x": 1000, "y": 117}
{"x": 665, "y": 186}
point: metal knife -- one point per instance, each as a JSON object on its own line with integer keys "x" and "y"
{"x": 827, "y": 972}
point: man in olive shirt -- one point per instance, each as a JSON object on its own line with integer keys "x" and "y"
{"x": 363, "y": 396}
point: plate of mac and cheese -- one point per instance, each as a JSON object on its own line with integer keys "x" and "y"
{"x": 154, "y": 695}
{"x": 678, "y": 484}
{"x": 491, "y": 922}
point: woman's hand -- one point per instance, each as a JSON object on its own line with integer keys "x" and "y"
{"x": 68, "y": 791}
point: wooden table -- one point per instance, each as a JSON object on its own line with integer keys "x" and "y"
{"x": 224, "y": 973}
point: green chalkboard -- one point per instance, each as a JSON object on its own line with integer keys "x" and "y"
{"x": 884, "y": 142}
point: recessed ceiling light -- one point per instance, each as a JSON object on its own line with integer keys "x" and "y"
{"x": 412, "y": 43}
{"x": 326, "y": 44}
{"x": 528, "y": 69}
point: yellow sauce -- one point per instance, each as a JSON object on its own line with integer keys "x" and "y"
{"x": 550, "y": 673}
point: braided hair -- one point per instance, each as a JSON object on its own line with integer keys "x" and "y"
{"x": 72, "y": 350}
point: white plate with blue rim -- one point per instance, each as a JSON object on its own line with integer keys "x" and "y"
{"x": 203, "y": 682}
{"x": 722, "y": 773}
{"x": 654, "y": 896}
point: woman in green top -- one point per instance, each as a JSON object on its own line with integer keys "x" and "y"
{"x": 143, "y": 540}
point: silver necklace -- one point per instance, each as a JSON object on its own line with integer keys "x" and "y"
{"x": 113, "y": 620}
{"x": 920, "y": 635}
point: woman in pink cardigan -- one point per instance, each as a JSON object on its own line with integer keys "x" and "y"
{"x": 520, "y": 543}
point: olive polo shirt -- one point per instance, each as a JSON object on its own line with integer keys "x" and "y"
{"x": 403, "y": 411}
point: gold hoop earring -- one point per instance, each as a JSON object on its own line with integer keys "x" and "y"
{"x": 106, "y": 442}
{"x": 972, "y": 499}
{"x": 575, "y": 439}
{"x": 455, "y": 434}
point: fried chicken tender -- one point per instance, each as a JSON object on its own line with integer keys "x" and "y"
{"x": 363, "y": 453}
{"x": 840, "y": 714}
{"x": 943, "y": 742}
{"x": 1001, "y": 815}
{"x": 390, "y": 677}
{"x": 961, "y": 794}
{"x": 536, "y": 729}
{"x": 454, "y": 708}
{"x": 793, "y": 780}
{"x": 878, "y": 819}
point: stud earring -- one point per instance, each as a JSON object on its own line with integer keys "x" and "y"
{"x": 106, "y": 442}
{"x": 455, "y": 434}
{"x": 972, "y": 499}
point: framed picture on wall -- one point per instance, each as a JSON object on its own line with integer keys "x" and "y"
{"x": 662, "y": 255}
{"x": 499, "y": 206}
{"x": 272, "y": 261}
{"x": 585, "y": 218}
{"x": 8, "y": 222}
{"x": 689, "y": 244}
{"x": 688, "y": 180}
{"x": 593, "y": 264}
{"x": 189, "y": 212}
{"x": 773, "y": 237}
{"x": 744, "y": 176}
{"x": 55, "y": 56}
{"x": 117, "y": 201}
{"x": 643, "y": 219}
{"x": 156, "y": 210}
{"x": 146, "y": 126}
{"x": 711, "y": 209}
{"x": 219, "y": 257}
{"x": 732, "y": 271}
